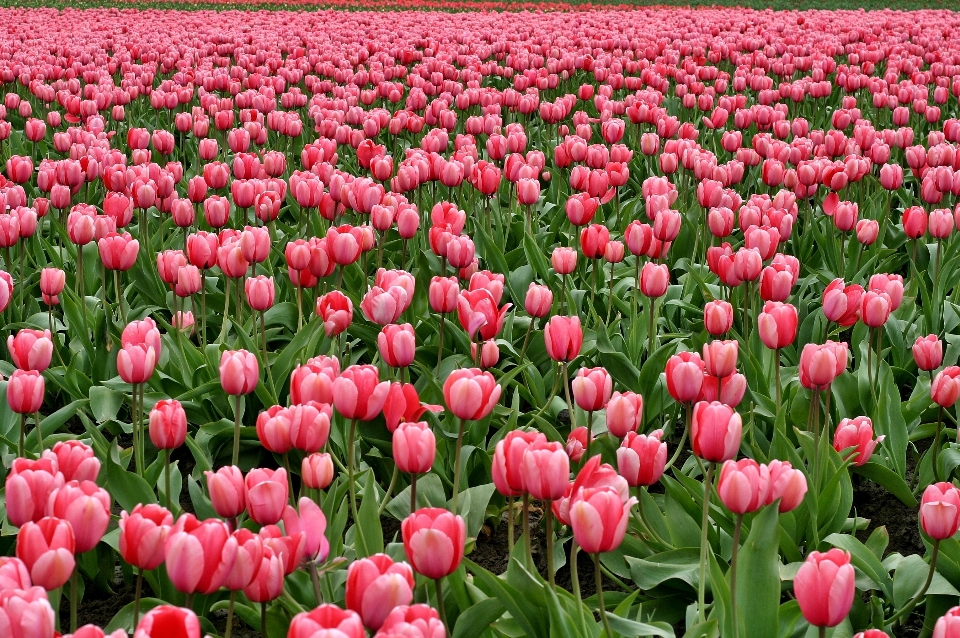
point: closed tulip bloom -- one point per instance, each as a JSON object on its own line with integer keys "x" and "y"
{"x": 31, "y": 349}
{"x": 25, "y": 390}
{"x": 375, "y": 586}
{"x": 415, "y": 621}
{"x": 168, "y": 424}
{"x": 945, "y": 388}
{"x": 599, "y": 518}
{"x": 720, "y": 357}
{"x": 875, "y": 308}
{"x": 538, "y": 301}
{"x": 75, "y": 460}
{"x": 563, "y": 260}
{"x": 545, "y": 470}
{"x": 397, "y": 345}
{"x": 28, "y": 487}
{"x": 684, "y": 372}
{"x": 890, "y": 284}
{"x": 841, "y": 302}
{"x": 592, "y": 388}
{"x": 267, "y": 583}
{"x": 52, "y": 281}
{"x": 336, "y": 310}
{"x": 316, "y": 471}
{"x": 939, "y": 511}
{"x": 86, "y": 507}
{"x": 563, "y": 337}
{"x": 385, "y": 306}
{"x": 135, "y": 363}
{"x": 914, "y": 222}
{"x": 624, "y": 413}
{"x": 641, "y": 458}
{"x": 228, "y": 494}
{"x": 414, "y": 447}
{"x": 477, "y": 311}
{"x": 576, "y": 444}
{"x": 13, "y": 574}
{"x": 444, "y": 294}
{"x": 118, "y": 252}
{"x": 715, "y": 431}
{"x": 856, "y": 433}
{"x": 777, "y": 324}
{"x": 327, "y": 621}
{"x": 820, "y": 365}
{"x": 654, "y": 279}
{"x": 239, "y": 372}
{"x": 717, "y": 317}
{"x": 260, "y": 291}
{"x": 948, "y": 625}
{"x": 776, "y": 282}
{"x": 359, "y": 394}
{"x": 824, "y": 587}
{"x": 200, "y": 554}
{"x": 433, "y": 540}
{"x": 266, "y": 495}
{"x": 743, "y": 485}
{"x": 867, "y": 231}
{"x": 143, "y": 533}
{"x": 249, "y": 552}
{"x": 471, "y": 393}
{"x": 507, "y": 462}
{"x": 928, "y": 352}
{"x": 145, "y": 332}
{"x": 786, "y": 485}
{"x": 167, "y": 621}
{"x": 46, "y": 549}
{"x": 26, "y": 613}
{"x": 313, "y": 381}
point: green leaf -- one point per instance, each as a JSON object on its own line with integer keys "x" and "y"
{"x": 680, "y": 564}
{"x": 909, "y": 578}
{"x": 368, "y": 535}
{"x": 124, "y": 618}
{"x": 864, "y": 560}
{"x": 889, "y": 479}
{"x": 758, "y": 590}
{"x": 475, "y": 620}
{"x": 128, "y": 488}
{"x": 105, "y": 403}
{"x": 634, "y": 628}
{"x": 513, "y": 600}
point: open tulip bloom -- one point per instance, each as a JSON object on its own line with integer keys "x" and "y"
{"x": 501, "y": 285}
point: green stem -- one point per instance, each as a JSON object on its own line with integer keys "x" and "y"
{"x": 510, "y": 526}
{"x": 733, "y": 575}
{"x": 438, "y": 584}
{"x": 23, "y": 435}
{"x": 549, "y": 514}
{"x": 526, "y": 340}
{"x": 906, "y": 609}
{"x": 350, "y": 472}
{"x": 237, "y": 404}
{"x": 136, "y": 598}
{"x": 603, "y": 612}
{"x": 286, "y": 466}
{"x": 315, "y": 580}
{"x": 777, "y": 373}
{"x": 73, "y": 598}
{"x": 229, "y": 627}
{"x": 389, "y": 493}
{"x": 527, "y": 544}
{"x": 456, "y": 471}
{"x": 570, "y": 407}
{"x": 651, "y": 330}
{"x": 440, "y": 343}
{"x": 683, "y": 438}
{"x": 936, "y": 446}
{"x": 575, "y": 578}
{"x": 704, "y": 528}
{"x": 646, "y": 523}
{"x": 263, "y": 619}
{"x": 586, "y": 456}
{"x": 413, "y": 493}
{"x": 166, "y": 475}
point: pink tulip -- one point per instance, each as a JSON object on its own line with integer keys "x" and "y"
{"x": 25, "y": 390}
{"x": 415, "y": 621}
{"x": 928, "y": 352}
{"x": 599, "y": 518}
{"x": 31, "y": 349}
{"x": 684, "y": 372}
{"x": 642, "y": 458}
{"x": 940, "y": 510}
{"x": 786, "y": 484}
{"x": 327, "y": 621}
{"x": 167, "y": 621}
{"x": 266, "y": 495}
{"x": 433, "y": 540}
{"x": 856, "y": 433}
{"x": 471, "y": 394}
{"x": 624, "y": 413}
{"x": 824, "y": 587}
{"x": 715, "y": 431}
{"x": 563, "y": 338}
{"x": 28, "y": 488}
{"x": 316, "y": 471}
{"x": 228, "y": 493}
{"x": 86, "y": 507}
{"x": 239, "y": 372}
{"x": 143, "y": 535}
{"x": 13, "y": 574}
{"x": 545, "y": 470}
{"x": 414, "y": 447}
{"x": 199, "y": 555}
{"x": 592, "y": 388}
{"x": 75, "y": 460}
{"x": 743, "y": 485}
{"x": 46, "y": 549}
{"x": 26, "y": 613}
{"x": 375, "y": 586}
{"x": 358, "y": 393}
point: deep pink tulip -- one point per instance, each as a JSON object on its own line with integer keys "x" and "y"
{"x": 375, "y": 586}
{"x": 31, "y": 349}
{"x": 824, "y": 587}
{"x": 358, "y": 393}
{"x": 470, "y": 393}
{"x": 715, "y": 431}
{"x": 199, "y": 554}
{"x": 433, "y": 540}
{"x": 641, "y": 458}
{"x": 46, "y": 549}
{"x": 266, "y": 495}
{"x": 940, "y": 510}
{"x": 858, "y": 434}
{"x": 228, "y": 493}
{"x": 168, "y": 424}
{"x": 143, "y": 535}
{"x": 167, "y": 621}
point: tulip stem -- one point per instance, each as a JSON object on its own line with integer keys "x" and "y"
{"x": 440, "y": 343}
{"x": 603, "y": 612}
{"x": 440, "y": 608}
{"x": 413, "y": 493}
{"x": 116, "y": 285}
{"x": 166, "y": 475}
{"x": 456, "y": 471}
{"x": 36, "y": 420}
{"x": 610, "y": 307}
{"x": 526, "y": 339}
{"x": 704, "y": 528}
{"x": 683, "y": 438}
{"x": 575, "y": 578}
{"x": 936, "y": 446}
{"x": 776, "y": 362}
{"x": 263, "y": 619}
{"x": 286, "y": 466}
{"x": 646, "y": 524}
{"x": 822, "y": 632}
{"x": 548, "y": 512}
{"x": 23, "y": 435}
{"x": 509, "y": 525}
{"x": 738, "y": 528}
{"x": 315, "y": 580}
{"x": 73, "y": 599}
{"x": 906, "y": 609}
{"x": 651, "y": 330}
{"x": 136, "y": 598}
{"x": 527, "y": 544}
{"x": 570, "y": 408}
{"x": 350, "y": 473}
{"x": 389, "y": 492}
{"x": 203, "y": 308}
{"x": 237, "y": 405}
{"x": 229, "y": 626}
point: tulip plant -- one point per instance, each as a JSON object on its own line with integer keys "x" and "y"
{"x": 484, "y": 324}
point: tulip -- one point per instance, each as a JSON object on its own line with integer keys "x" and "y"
{"x": 786, "y": 485}
{"x": 841, "y": 302}
{"x": 433, "y": 540}
{"x": 143, "y": 534}
{"x": 13, "y": 574}
{"x": 718, "y": 317}
{"x": 715, "y": 431}
{"x": 397, "y": 345}
{"x": 250, "y": 551}
{"x": 316, "y": 471}
{"x": 86, "y": 507}
{"x": 412, "y": 622}
{"x": 266, "y": 495}
{"x": 336, "y": 310}
{"x": 313, "y": 381}
{"x": 168, "y": 424}
{"x": 563, "y": 260}
{"x": 856, "y": 433}
{"x": 25, "y": 612}
{"x": 777, "y": 325}
{"x": 228, "y": 494}
{"x": 545, "y": 470}
{"x": 267, "y": 583}
{"x": 824, "y": 587}
{"x": 135, "y": 363}
{"x": 199, "y": 555}
{"x": 28, "y": 487}
{"x": 260, "y": 292}
{"x": 624, "y": 413}
{"x": 538, "y": 300}
{"x": 875, "y": 308}
{"x": 928, "y": 352}
{"x": 592, "y": 388}
{"x": 327, "y": 621}
{"x": 576, "y": 445}
{"x": 684, "y": 373}
{"x": 75, "y": 460}
{"x": 940, "y": 511}
{"x": 720, "y": 358}
{"x": 948, "y": 625}
{"x": 743, "y": 486}
{"x": 414, "y": 447}
{"x": 25, "y": 391}
{"x": 641, "y": 458}
{"x": 31, "y": 349}
{"x": 376, "y": 586}
{"x": 46, "y": 549}
{"x": 167, "y": 621}
{"x": 821, "y": 364}
{"x": 563, "y": 338}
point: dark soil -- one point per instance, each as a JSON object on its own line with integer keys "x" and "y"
{"x": 100, "y": 611}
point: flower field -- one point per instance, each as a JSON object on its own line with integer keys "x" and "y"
{"x": 482, "y": 324}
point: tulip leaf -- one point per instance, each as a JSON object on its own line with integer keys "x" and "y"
{"x": 128, "y": 488}
{"x": 124, "y": 618}
{"x": 105, "y": 403}
{"x": 889, "y": 421}
{"x": 476, "y": 619}
{"x": 513, "y": 600}
{"x": 758, "y": 588}
{"x": 889, "y": 480}
{"x": 368, "y": 534}
{"x": 680, "y": 564}
{"x": 635, "y": 628}
{"x": 909, "y": 578}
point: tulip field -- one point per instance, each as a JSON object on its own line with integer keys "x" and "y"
{"x": 517, "y": 321}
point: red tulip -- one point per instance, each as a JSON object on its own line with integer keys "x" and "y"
{"x": 167, "y": 621}
{"x": 478, "y": 312}
{"x": 199, "y": 555}
{"x": 545, "y": 470}
{"x": 824, "y": 586}
{"x": 563, "y": 260}
{"x": 143, "y": 534}
{"x": 715, "y": 431}
{"x": 433, "y": 540}
{"x": 250, "y": 551}
{"x": 948, "y": 625}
